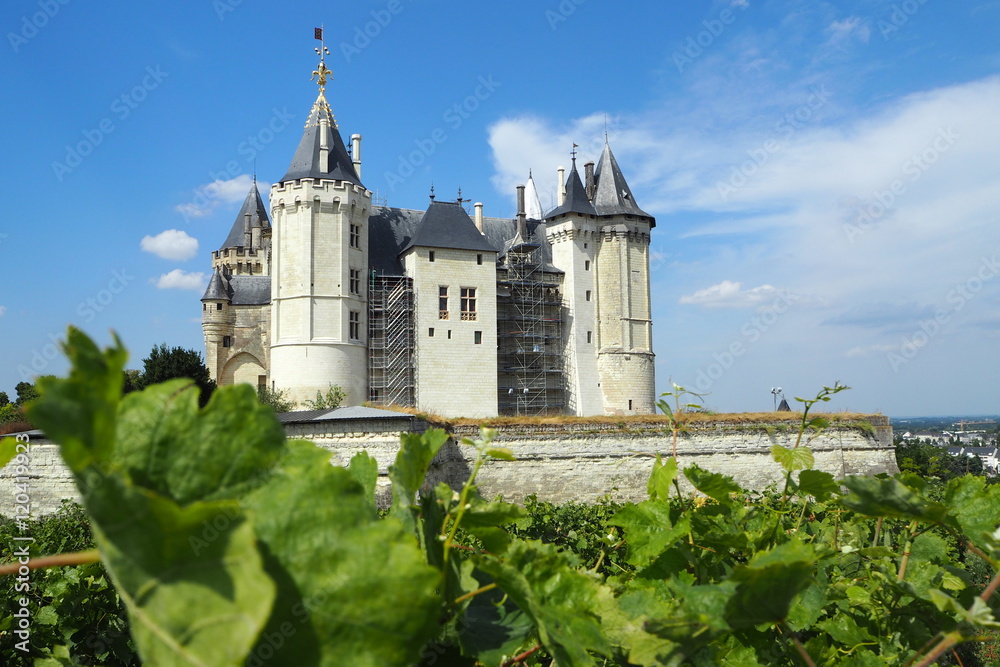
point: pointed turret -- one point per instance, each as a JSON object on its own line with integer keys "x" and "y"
{"x": 575, "y": 200}
{"x": 322, "y": 153}
{"x": 533, "y": 206}
{"x": 252, "y": 216}
{"x": 612, "y": 195}
{"x": 217, "y": 289}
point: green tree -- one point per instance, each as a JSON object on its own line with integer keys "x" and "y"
{"x": 165, "y": 363}
{"x": 26, "y": 391}
{"x": 133, "y": 379}
{"x": 4, "y": 399}
{"x": 275, "y": 398}
{"x": 331, "y": 400}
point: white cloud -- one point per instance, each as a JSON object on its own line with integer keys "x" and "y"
{"x": 206, "y": 198}
{"x": 867, "y": 350}
{"x": 728, "y": 294}
{"x": 179, "y": 279}
{"x": 841, "y": 31}
{"x": 3, "y": 309}
{"x": 172, "y": 244}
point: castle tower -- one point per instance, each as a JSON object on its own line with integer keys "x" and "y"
{"x": 572, "y": 230}
{"x": 217, "y": 323}
{"x": 624, "y": 325}
{"x": 320, "y": 211}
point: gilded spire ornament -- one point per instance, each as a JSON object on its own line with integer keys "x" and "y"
{"x": 321, "y": 73}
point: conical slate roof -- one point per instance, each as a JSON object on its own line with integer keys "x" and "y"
{"x": 613, "y": 195}
{"x": 217, "y": 289}
{"x": 447, "y": 225}
{"x": 532, "y": 205}
{"x": 576, "y": 197}
{"x": 253, "y": 205}
{"x": 307, "y": 162}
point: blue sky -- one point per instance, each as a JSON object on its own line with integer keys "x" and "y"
{"x": 825, "y": 176}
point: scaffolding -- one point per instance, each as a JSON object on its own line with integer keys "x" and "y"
{"x": 390, "y": 341}
{"x": 529, "y": 355}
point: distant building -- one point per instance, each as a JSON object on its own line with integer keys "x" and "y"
{"x": 988, "y": 455}
{"x": 453, "y": 314}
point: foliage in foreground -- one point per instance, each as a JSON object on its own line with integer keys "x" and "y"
{"x": 231, "y": 546}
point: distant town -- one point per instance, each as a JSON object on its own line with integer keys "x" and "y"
{"x": 962, "y": 436}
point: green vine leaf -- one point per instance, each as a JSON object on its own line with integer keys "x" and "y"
{"x": 799, "y": 458}
{"x": 713, "y": 485}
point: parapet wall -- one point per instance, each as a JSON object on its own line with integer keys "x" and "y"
{"x": 578, "y": 461}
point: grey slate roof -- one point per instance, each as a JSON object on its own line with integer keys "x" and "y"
{"x": 447, "y": 225}
{"x": 613, "y": 195}
{"x": 250, "y": 290}
{"x": 253, "y": 205}
{"x": 347, "y": 412}
{"x": 217, "y": 289}
{"x": 392, "y": 229}
{"x": 575, "y": 200}
{"x": 306, "y": 162}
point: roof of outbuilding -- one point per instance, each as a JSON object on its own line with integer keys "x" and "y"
{"x": 307, "y": 162}
{"x": 254, "y": 206}
{"x": 338, "y": 414}
{"x": 613, "y": 196}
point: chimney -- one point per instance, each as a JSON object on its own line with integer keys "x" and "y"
{"x": 247, "y": 239}
{"x": 356, "y": 153}
{"x": 479, "y": 216}
{"x": 324, "y": 147}
{"x": 522, "y": 217}
{"x": 588, "y": 169}
{"x": 560, "y": 186}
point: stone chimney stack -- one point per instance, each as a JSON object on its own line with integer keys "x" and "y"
{"x": 479, "y": 216}
{"x": 560, "y": 186}
{"x": 522, "y": 217}
{"x": 356, "y": 153}
{"x": 588, "y": 170}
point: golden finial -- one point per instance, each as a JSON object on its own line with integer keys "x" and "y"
{"x": 321, "y": 73}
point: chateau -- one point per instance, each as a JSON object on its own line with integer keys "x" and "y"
{"x": 453, "y": 314}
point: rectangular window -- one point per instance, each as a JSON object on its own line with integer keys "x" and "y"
{"x": 355, "y": 281}
{"x": 588, "y": 295}
{"x": 449, "y": 334}
{"x": 478, "y": 338}
{"x": 430, "y": 332}
{"x": 630, "y": 404}
{"x": 430, "y": 256}
{"x": 227, "y": 341}
{"x": 261, "y": 382}
{"x": 586, "y": 265}
{"x": 479, "y": 259}
{"x": 590, "y": 336}
{"x": 443, "y": 302}
{"x": 354, "y": 330}
{"x": 355, "y": 236}
{"x": 468, "y": 303}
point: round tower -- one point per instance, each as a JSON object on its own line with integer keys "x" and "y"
{"x": 319, "y": 246}
{"x": 218, "y": 323}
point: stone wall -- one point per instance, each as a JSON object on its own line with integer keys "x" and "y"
{"x": 561, "y": 463}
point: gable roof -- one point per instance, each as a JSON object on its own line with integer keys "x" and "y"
{"x": 447, "y": 225}
{"x": 307, "y": 163}
{"x": 613, "y": 196}
{"x": 254, "y": 206}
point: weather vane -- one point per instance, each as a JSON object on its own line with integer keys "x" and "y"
{"x": 321, "y": 73}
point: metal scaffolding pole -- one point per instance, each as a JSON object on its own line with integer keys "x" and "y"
{"x": 391, "y": 378}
